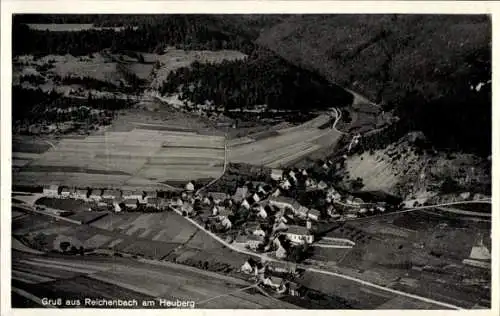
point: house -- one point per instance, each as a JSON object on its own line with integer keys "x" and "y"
{"x": 65, "y": 192}
{"x": 117, "y": 207}
{"x": 357, "y": 201}
{"x": 246, "y": 268}
{"x": 51, "y": 190}
{"x": 276, "y": 174}
{"x": 298, "y": 234}
{"x": 217, "y": 197}
{"x": 333, "y": 194}
{"x": 322, "y": 185}
{"x": 81, "y": 194}
{"x": 465, "y": 195}
{"x": 253, "y": 241}
{"x": 152, "y": 202}
{"x": 225, "y": 222}
{"x": 330, "y": 210}
{"x": 96, "y": 195}
{"x": 214, "y": 210}
{"x": 132, "y": 195}
{"x": 131, "y": 203}
{"x": 187, "y": 207}
{"x": 285, "y": 184}
{"x": 245, "y": 204}
{"x": 262, "y": 190}
{"x": 190, "y": 186}
{"x": 240, "y": 194}
{"x": 206, "y": 201}
{"x": 280, "y": 253}
{"x": 283, "y": 202}
{"x": 222, "y": 211}
{"x": 258, "y": 232}
{"x": 256, "y": 198}
{"x": 111, "y": 194}
{"x": 261, "y": 212}
{"x": 276, "y": 283}
{"x": 311, "y": 184}
{"x": 304, "y": 172}
{"x": 313, "y": 214}
{"x": 293, "y": 289}
{"x": 276, "y": 192}
{"x": 105, "y": 202}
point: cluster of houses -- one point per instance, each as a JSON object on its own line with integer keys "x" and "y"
{"x": 273, "y": 276}
{"x": 117, "y": 199}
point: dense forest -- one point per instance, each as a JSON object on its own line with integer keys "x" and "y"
{"x": 30, "y": 103}
{"x": 150, "y": 35}
{"x": 262, "y": 78}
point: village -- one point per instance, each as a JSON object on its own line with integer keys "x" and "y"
{"x": 259, "y": 217}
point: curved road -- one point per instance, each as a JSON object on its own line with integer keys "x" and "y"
{"x": 265, "y": 257}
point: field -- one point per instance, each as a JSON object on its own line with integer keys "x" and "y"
{"x": 121, "y": 278}
{"x": 285, "y": 146}
{"x": 420, "y": 253}
{"x": 120, "y": 159}
{"x": 174, "y": 59}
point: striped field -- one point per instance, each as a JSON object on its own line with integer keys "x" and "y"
{"x": 139, "y": 157}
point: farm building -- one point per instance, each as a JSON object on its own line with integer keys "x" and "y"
{"x": 276, "y": 174}
{"x": 240, "y": 194}
{"x": 298, "y": 234}
{"x": 51, "y": 190}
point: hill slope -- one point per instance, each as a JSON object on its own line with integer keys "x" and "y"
{"x": 427, "y": 68}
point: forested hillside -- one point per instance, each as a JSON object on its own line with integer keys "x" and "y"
{"x": 262, "y": 78}
{"x": 432, "y": 70}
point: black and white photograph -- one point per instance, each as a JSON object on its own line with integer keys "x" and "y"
{"x": 251, "y": 161}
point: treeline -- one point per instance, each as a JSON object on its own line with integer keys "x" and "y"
{"x": 149, "y": 35}
{"x": 27, "y": 104}
{"x": 262, "y": 78}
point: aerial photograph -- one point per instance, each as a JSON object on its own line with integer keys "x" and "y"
{"x": 251, "y": 161}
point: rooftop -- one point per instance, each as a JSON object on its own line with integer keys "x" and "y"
{"x": 297, "y": 230}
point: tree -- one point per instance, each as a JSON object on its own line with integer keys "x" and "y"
{"x": 64, "y": 245}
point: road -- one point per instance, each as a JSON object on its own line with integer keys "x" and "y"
{"x": 266, "y": 258}
{"x": 52, "y": 276}
{"x": 223, "y": 168}
{"x": 423, "y": 208}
